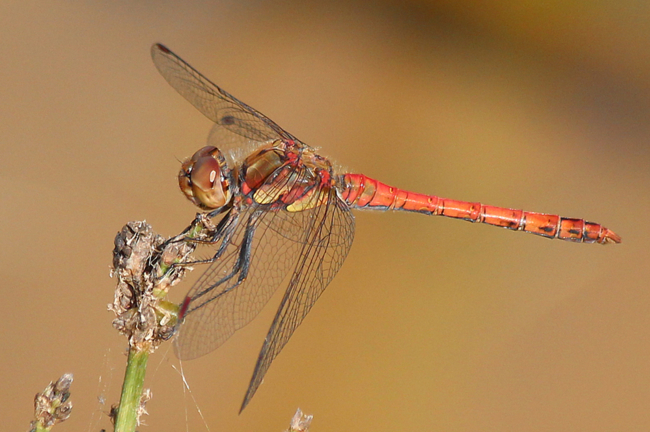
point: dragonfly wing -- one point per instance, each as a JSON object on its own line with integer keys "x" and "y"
{"x": 329, "y": 238}
{"x": 233, "y": 146}
{"x": 219, "y": 302}
{"x": 215, "y": 103}
{"x": 229, "y": 295}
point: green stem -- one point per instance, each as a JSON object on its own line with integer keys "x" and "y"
{"x": 41, "y": 428}
{"x": 136, "y": 367}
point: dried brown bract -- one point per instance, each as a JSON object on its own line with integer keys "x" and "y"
{"x": 142, "y": 407}
{"x": 300, "y": 422}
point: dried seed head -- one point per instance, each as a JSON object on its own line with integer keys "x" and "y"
{"x": 143, "y": 263}
{"x": 52, "y": 405}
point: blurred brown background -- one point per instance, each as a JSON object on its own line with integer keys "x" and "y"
{"x": 431, "y": 324}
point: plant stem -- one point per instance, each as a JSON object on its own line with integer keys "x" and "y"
{"x": 41, "y": 428}
{"x": 127, "y": 414}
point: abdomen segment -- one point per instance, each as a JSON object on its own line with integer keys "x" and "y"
{"x": 363, "y": 192}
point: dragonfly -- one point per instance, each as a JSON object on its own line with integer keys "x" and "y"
{"x": 286, "y": 220}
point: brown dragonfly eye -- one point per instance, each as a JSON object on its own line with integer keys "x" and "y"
{"x": 203, "y": 179}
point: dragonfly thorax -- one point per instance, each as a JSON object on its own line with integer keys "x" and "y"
{"x": 205, "y": 179}
{"x": 283, "y": 176}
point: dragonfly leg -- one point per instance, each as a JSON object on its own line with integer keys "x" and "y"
{"x": 223, "y": 233}
{"x": 240, "y": 268}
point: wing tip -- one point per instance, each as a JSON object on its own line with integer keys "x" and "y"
{"x": 246, "y": 400}
{"x": 160, "y": 47}
{"x": 256, "y": 380}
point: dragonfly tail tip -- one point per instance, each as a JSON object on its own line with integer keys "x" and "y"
{"x": 611, "y": 237}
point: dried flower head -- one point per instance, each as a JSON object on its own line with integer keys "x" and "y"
{"x": 144, "y": 264}
{"x": 52, "y": 405}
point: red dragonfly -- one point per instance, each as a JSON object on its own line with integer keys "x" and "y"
{"x": 286, "y": 216}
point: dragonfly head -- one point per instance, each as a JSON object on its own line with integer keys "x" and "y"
{"x": 205, "y": 179}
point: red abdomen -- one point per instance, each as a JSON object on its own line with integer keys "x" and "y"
{"x": 363, "y": 192}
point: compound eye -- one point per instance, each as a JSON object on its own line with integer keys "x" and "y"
{"x": 202, "y": 181}
{"x": 184, "y": 180}
{"x": 205, "y": 172}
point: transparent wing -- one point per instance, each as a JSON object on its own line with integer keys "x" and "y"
{"x": 329, "y": 238}
{"x": 234, "y": 147}
{"x": 215, "y": 103}
{"x": 261, "y": 252}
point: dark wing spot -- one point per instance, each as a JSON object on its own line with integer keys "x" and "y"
{"x": 228, "y": 120}
{"x": 163, "y": 48}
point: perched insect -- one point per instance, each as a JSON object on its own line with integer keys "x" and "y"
{"x": 286, "y": 214}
